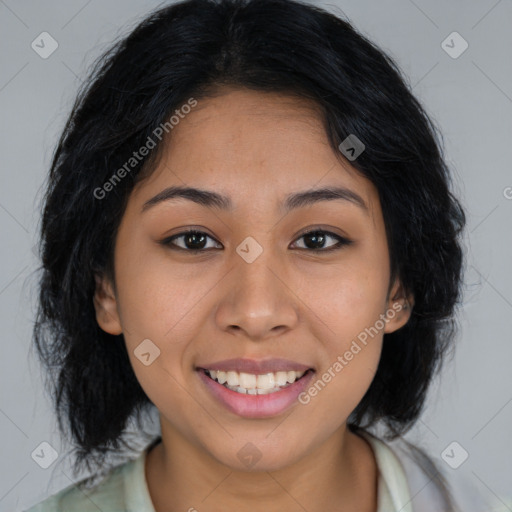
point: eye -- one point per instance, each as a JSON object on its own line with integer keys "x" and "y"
{"x": 193, "y": 241}
{"x": 196, "y": 241}
{"x": 315, "y": 240}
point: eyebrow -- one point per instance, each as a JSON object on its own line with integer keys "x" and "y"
{"x": 210, "y": 199}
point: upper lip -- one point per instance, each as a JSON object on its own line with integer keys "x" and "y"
{"x": 254, "y": 366}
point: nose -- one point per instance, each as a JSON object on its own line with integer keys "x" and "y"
{"x": 258, "y": 301}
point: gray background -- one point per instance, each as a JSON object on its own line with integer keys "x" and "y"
{"x": 470, "y": 97}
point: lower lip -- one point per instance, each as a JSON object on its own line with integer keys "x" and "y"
{"x": 257, "y": 406}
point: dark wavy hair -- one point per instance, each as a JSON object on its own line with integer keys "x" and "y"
{"x": 191, "y": 49}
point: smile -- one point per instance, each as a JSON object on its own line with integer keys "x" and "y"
{"x": 255, "y": 395}
{"x": 251, "y": 384}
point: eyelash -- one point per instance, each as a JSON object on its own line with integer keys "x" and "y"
{"x": 168, "y": 242}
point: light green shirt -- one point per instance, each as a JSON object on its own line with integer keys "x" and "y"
{"x": 125, "y": 489}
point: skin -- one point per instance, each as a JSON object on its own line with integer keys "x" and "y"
{"x": 291, "y": 302}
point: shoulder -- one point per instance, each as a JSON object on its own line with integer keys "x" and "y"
{"x": 107, "y": 495}
{"x": 431, "y": 486}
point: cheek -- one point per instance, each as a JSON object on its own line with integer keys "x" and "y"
{"x": 346, "y": 298}
{"x": 158, "y": 299}
{"x": 158, "y": 309}
{"x": 164, "y": 303}
{"x": 347, "y": 302}
{"x": 352, "y": 346}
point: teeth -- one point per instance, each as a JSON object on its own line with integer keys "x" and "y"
{"x": 247, "y": 380}
{"x": 232, "y": 378}
{"x": 282, "y": 378}
{"x": 266, "y": 381}
{"x": 251, "y": 384}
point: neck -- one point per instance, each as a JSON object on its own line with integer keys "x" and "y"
{"x": 183, "y": 476}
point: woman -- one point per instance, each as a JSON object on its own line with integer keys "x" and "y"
{"x": 249, "y": 227}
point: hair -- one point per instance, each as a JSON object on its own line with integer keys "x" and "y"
{"x": 192, "y": 49}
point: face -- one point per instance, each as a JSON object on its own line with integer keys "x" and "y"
{"x": 250, "y": 296}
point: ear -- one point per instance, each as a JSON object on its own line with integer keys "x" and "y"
{"x": 105, "y": 304}
{"x": 398, "y": 308}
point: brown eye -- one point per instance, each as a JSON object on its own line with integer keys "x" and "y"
{"x": 197, "y": 241}
{"x": 192, "y": 241}
{"x": 316, "y": 240}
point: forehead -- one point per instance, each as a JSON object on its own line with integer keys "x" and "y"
{"x": 253, "y": 146}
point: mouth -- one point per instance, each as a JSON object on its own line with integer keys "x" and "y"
{"x": 252, "y": 384}
{"x": 255, "y": 389}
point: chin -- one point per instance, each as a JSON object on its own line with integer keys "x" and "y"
{"x": 257, "y": 456}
